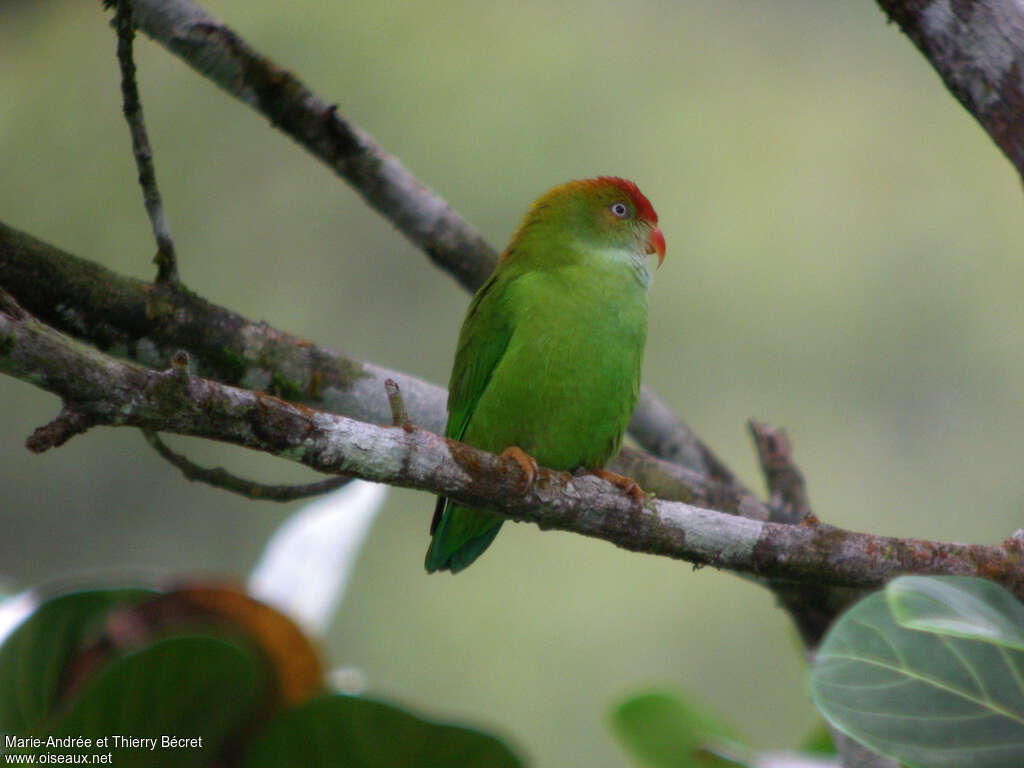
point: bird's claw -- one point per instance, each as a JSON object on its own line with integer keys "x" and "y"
{"x": 628, "y": 484}
{"x": 526, "y": 463}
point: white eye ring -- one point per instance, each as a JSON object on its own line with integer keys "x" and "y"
{"x": 619, "y": 210}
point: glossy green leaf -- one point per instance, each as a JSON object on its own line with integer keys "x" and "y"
{"x": 923, "y": 698}
{"x": 34, "y": 655}
{"x": 181, "y": 687}
{"x": 961, "y": 606}
{"x": 360, "y": 733}
{"x": 664, "y": 730}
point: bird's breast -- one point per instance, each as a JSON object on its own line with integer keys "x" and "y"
{"x": 567, "y": 384}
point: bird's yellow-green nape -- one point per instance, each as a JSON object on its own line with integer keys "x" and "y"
{"x": 549, "y": 355}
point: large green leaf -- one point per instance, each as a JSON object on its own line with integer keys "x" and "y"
{"x": 360, "y": 733}
{"x": 960, "y": 606}
{"x": 926, "y": 698}
{"x": 181, "y": 687}
{"x": 34, "y": 655}
{"x": 664, "y": 730}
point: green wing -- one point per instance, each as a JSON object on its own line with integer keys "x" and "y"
{"x": 460, "y": 534}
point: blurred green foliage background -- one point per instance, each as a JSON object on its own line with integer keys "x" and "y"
{"x": 844, "y": 259}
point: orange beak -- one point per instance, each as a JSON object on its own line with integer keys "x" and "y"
{"x": 656, "y": 244}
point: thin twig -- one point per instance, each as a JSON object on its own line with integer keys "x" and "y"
{"x": 167, "y": 266}
{"x": 399, "y": 416}
{"x": 221, "y": 478}
{"x": 785, "y": 481}
{"x": 69, "y": 422}
{"x": 813, "y": 607}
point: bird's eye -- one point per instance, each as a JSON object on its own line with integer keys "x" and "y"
{"x": 619, "y": 210}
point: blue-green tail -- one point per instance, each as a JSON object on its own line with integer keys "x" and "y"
{"x": 460, "y": 536}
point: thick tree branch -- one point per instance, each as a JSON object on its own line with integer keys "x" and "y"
{"x": 150, "y": 323}
{"x": 106, "y": 391}
{"x": 977, "y": 48}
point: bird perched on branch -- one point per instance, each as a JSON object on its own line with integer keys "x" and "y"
{"x": 547, "y": 367}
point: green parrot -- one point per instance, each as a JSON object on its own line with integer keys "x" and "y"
{"x": 547, "y": 367}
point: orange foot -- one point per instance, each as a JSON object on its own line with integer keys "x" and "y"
{"x": 628, "y": 484}
{"x": 525, "y": 461}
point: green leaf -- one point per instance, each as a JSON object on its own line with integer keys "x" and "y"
{"x": 664, "y": 730}
{"x": 818, "y": 741}
{"x": 34, "y": 655}
{"x": 923, "y": 698}
{"x": 182, "y": 687}
{"x": 361, "y": 733}
{"x": 961, "y": 606}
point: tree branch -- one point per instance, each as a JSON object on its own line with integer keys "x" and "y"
{"x": 785, "y": 481}
{"x": 110, "y": 392}
{"x": 399, "y": 416}
{"x": 978, "y": 50}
